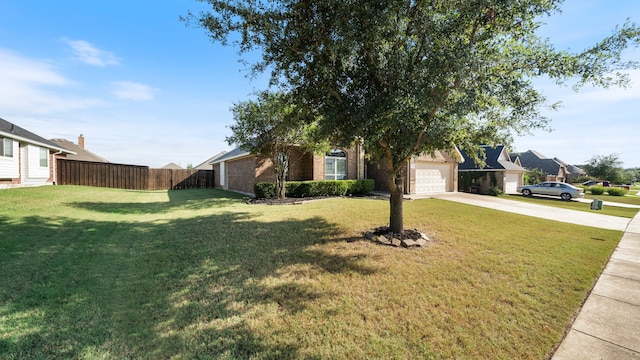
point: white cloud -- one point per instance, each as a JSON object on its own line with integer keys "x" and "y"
{"x": 128, "y": 90}
{"x": 88, "y": 54}
{"x": 33, "y": 86}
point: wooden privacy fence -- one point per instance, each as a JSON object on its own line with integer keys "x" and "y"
{"x": 72, "y": 172}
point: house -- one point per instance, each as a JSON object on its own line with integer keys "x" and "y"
{"x": 424, "y": 174}
{"x": 206, "y": 165}
{"x": 499, "y": 171}
{"x": 238, "y": 170}
{"x": 26, "y": 159}
{"x": 172, "y": 166}
{"x": 552, "y": 169}
{"x": 81, "y": 153}
{"x": 573, "y": 172}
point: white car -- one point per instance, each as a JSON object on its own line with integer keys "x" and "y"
{"x": 553, "y": 188}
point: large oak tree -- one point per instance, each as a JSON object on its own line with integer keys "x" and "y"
{"x": 414, "y": 76}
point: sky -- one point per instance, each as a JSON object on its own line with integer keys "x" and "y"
{"x": 145, "y": 89}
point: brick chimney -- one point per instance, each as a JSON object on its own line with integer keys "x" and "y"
{"x": 81, "y": 141}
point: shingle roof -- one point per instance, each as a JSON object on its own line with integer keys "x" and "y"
{"x": 235, "y": 153}
{"x": 206, "y": 165}
{"x": 172, "y": 165}
{"x": 493, "y": 160}
{"x": 13, "y": 131}
{"x": 534, "y": 160}
{"x": 80, "y": 153}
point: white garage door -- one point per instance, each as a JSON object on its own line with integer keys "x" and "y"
{"x": 511, "y": 183}
{"x": 432, "y": 177}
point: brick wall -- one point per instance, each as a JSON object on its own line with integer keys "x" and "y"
{"x": 216, "y": 176}
{"x": 241, "y": 174}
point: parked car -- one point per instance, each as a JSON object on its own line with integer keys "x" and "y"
{"x": 593, "y": 183}
{"x": 553, "y": 188}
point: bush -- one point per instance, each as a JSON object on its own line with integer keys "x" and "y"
{"x": 616, "y": 191}
{"x": 495, "y": 191}
{"x": 597, "y": 190}
{"x": 298, "y": 189}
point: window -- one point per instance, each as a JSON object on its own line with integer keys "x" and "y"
{"x": 44, "y": 157}
{"x": 335, "y": 165}
{"x": 6, "y": 147}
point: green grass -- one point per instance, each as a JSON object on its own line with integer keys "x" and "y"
{"x": 575, "y": 205}
{"x": 108, "y": 274}
{"x": 630, "y": 198}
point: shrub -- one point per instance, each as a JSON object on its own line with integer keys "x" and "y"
{"x": 616, "y": 191}
{"x": 265, "y": 190}
{"x": 298, "y": 189}
{"x": 495, "y": 191}
{"x": 597, "y": 190}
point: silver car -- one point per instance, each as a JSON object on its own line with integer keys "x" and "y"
{"x": 553, "y": 188}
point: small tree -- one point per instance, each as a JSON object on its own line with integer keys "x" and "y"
{"x": 605, "y": 167}
{"x": 269, "y": 127}
{"x": 533, "y": 176}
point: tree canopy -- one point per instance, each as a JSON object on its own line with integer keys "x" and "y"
{"x": 412, "y": 77}
{"x": 270, "y": 127}
{"x": 606, "y": 167}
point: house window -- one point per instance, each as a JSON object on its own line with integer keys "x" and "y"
{"x": 44, "y": 157}
{"x": 335, "y": 165}
{"x": 6, "y": 147}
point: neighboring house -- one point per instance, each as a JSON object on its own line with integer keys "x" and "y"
{"x": 553, "y": 170}
{"x": 81, "y": 153}
{"x": 238, "y": 170}
{"x": 424, "y": 174}
{"x": 173, "y": 166}
{"x": 206, "y": 165}
{"x": 573, "y": 172}
{"x": 499, "y": 171}
{"x": 26, "y": 159}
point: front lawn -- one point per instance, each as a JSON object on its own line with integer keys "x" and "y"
{"x": 107, "y": 273}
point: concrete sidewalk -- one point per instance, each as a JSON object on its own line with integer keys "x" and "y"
{"x": 608, "y": 325}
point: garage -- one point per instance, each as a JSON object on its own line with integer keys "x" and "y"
{"x": 511, "y": 183}
{"x": 432, "y": 177}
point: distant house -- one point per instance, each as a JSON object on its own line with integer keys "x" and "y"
{"x": 573, "y": 172}
{"x": 552, "y": 169}
{"x": 173, "y": 166}
{"x": 81, "y": 153}
{"x": 424, "y": 174}
{"x": 238, "y": 170}
{"x": 499, "y": 171}
{"x": 27, "y": 159}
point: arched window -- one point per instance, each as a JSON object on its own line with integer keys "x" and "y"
{"x": 335, "y": 165}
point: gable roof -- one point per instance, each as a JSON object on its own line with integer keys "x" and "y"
{"x": 15, "y": 132}
{"x": 206, "y": 165}
{"x": 534, "y": 160}
{"x": 80, "y": 153}
{"x": 233, "y": 154}
{"x": 172, "y": 165}
{"x": 497, "y": 159}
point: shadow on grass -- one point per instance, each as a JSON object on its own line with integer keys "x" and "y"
{"x": 190, "y": 199}
{"x": 187, "y": 288}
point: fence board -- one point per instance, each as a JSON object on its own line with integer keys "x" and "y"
{"x": 134, "y": 177}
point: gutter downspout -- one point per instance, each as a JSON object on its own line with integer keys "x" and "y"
{"x": 55, "y": 166}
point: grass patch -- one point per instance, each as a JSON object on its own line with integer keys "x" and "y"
{"x": 580, "y": 206}
{"x": 628, "y": 199}
{"x": 104, "y": 273}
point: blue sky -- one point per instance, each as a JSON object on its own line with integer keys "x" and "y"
{"x": 145, "y": 89}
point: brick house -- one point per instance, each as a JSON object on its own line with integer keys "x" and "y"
{"x": 424, "y": 174}
{"x": 238, "y": 170}
{"x": 26, "y": 159}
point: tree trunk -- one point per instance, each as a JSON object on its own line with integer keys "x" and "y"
{"x": 396, "y": 187}
{"x": 281, "y": 163}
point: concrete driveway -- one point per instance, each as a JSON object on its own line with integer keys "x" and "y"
{"x": 592, "y": 219}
